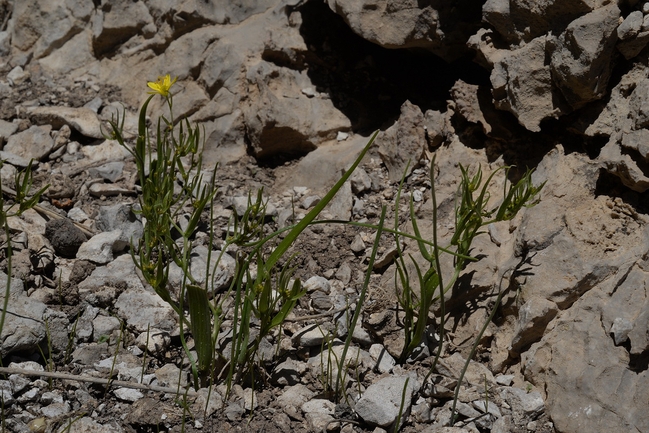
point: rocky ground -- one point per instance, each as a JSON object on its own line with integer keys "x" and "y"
{"x": 287, "y": 94}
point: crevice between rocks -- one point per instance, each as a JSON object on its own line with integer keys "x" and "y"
{"x": 611, "y": 185}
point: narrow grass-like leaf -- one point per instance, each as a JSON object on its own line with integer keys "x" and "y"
{"x": 361, "y": 300}
{"x": 292, "y": 235}
{"x": 200, "y": 325}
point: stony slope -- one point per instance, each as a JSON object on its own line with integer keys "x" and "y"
{"x": 288, "y": 93}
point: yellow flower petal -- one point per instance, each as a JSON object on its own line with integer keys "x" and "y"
{"x": 162, "y": 85}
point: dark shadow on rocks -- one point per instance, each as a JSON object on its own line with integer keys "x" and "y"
{"x": 639, "y": 362}
{"x": 610, "y": 185}
{"x": 369, "y": 83}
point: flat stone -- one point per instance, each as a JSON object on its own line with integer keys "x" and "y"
{"x": 310, "y": 336}
{"x": 104, "y": 326}
{"x": 533, "y": 318}
{"x": 319, "y": 413}
{"x": 310, "y": 201}
{"x": 83, "y": 120}
{"x": 289, "y": 372}
{"x": 631, "y": 25}
{"x": 155, "y": 341}
{"x": 33, "y": 143}
{"x": 294, "y": 396}
{"x": 15, "y": 160}
{"x": 18, "y": 76}
{"x": 108, "y": 190}
{"x": 24, "y": 329}
{"x": 88, "y": 425}
{"x": 531, "y": 403}
{"x": 7, "y": 129}
{"x": 171, "y": 376}
{"x": 381, "y": 402}
{"x": 204, "y": 406}
{"x": 121, "y": 216}
{"x": 221, "y": 269}
{"x": 100, "y": 248}
{"x": 317, "y": 283}
{"x": 360, "y": 181}
{"x": 110, "y": 171}
{"x": 384, "y": 361}
{"x": 128, "y": 394}
{"x": 143, "y": 310}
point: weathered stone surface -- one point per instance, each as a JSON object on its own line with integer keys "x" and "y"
{"x": 281, "y": 119}
{"x": 403, "y": 143}
{"x": 632, "y": 47}
{"x": 520, "y": 20}
{"x": 33, "y": 143}
{"x": 522, "y": 84}
{"x": 100, "y": 248}
{"x": 6, "y": 130}
{"x": 381, "y": 402}
{"x": 581, "y": 56}
{"x": 599, "y": 249}
{"x": 319, "y": 413}
{"x": 121, "y": 217}
{"x": 81, "y": 119}
{"x": 631, "y": 26}
{"x": 87, "y": 424}
{"x": 42, "y": 27}
{"x": 622, "y": 165}
{"x": 24, "y": 329}
{"x": 116, "y": 22}
{"x": 247, "y": 74}
{"x": 320, "y": 169}
{"x": 590, "y": 383}
{"x": 340, "y": 207}
{"x": 75, "y": 53}
{"x": 143, "y": 310}
{"x": 475, "y": 374}
{"x": 533, "y": 317}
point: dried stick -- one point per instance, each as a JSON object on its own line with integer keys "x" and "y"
{"x": 98, "y": 380}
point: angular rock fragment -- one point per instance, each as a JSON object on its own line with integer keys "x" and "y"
{"x": 381, "y": 402}
{"x": 402, "y": 145}
{"x": 33, "y": 143}
{"x": 581, "y": 57}
{"x": 522, "y": 84}
{"x": 66, "y": 238}
{"x": 83, "y": 120}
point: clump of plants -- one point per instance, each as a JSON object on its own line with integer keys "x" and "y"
{"x": 170, "y": 173}
{"x": 473, "y": 212}
{"x": 263, "y": 291}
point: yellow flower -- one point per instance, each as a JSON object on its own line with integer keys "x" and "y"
{"x": 161, "y": 86}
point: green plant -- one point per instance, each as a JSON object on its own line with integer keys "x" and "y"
{"x": 254, "y": 296}
{"x": 404, "y": 395}
{"x": 342, "y": 368}
{"x": 173, "y": 161}
{"x": 24, "y": 199}
{"x": 262, "y": 288}
{"x": 472, "y": 212}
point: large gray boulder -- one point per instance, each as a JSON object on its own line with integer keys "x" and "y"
{"x": 591, "y": 383}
